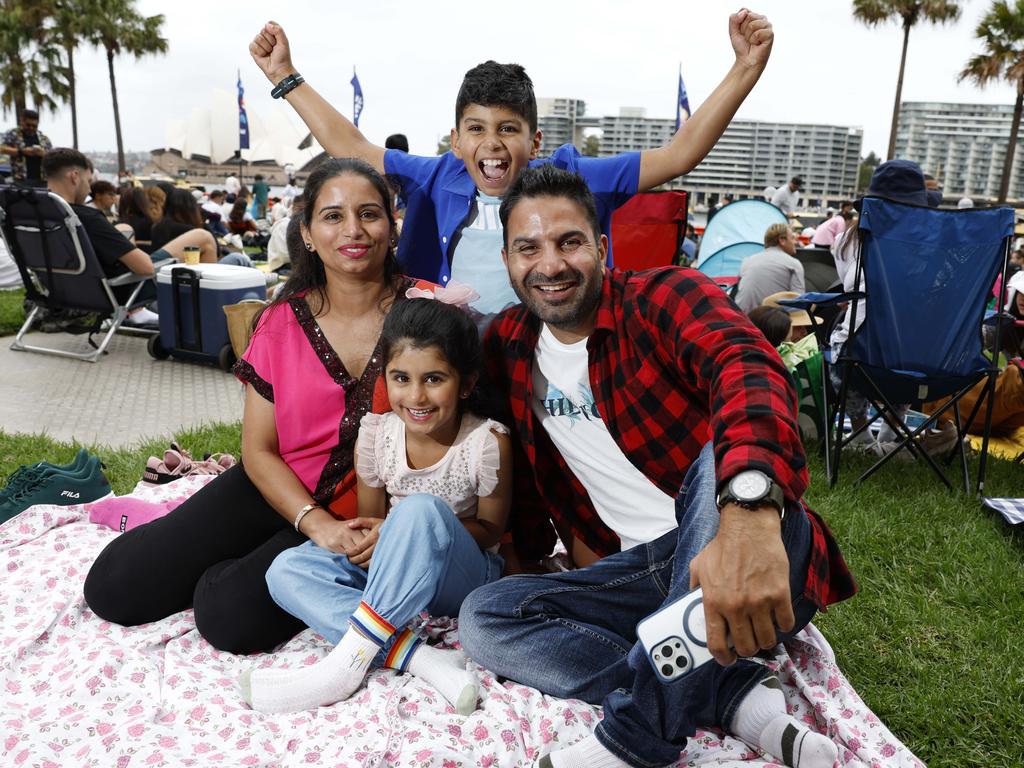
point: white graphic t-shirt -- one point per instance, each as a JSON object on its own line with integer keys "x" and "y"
{"x": 627, "y": 502}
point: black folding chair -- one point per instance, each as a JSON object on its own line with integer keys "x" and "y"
{"x": 59, "y": 268}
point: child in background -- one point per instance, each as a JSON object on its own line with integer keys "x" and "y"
{"x": 434, "y": 494}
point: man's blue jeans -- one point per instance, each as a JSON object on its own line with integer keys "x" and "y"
{"x": 573, "y": 635}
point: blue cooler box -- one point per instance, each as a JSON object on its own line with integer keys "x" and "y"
{"x": 191, "y": 300}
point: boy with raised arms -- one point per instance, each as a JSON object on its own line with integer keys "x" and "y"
{"x": 451, "y": 229}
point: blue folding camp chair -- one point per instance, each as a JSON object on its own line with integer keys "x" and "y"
{"x": 927, "y": 275}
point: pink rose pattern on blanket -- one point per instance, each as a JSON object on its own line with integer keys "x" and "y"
{"x": 76, "y": 691}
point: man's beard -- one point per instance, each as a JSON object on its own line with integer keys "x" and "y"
{"x": 572, "y": 311}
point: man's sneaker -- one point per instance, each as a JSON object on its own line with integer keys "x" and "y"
{"x": 58, "y": 488}
{"x": 27, "y": 476}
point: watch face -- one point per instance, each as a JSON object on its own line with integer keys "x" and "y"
{"x": 749, "y": 486}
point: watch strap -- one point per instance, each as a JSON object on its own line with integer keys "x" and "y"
{"x": 287, "y": 85}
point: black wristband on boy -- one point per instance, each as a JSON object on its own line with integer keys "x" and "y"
{"x": 287, "y": 85}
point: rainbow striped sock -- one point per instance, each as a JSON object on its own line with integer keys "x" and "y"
{"x": 368, "y": 623}
{"x": 401, "y": 650}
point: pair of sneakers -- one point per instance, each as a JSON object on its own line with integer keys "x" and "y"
{"x": 78, "y": 482}
{"x": 177, "y": 463}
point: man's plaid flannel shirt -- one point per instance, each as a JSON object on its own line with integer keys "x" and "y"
{"x": 673, "y": 364}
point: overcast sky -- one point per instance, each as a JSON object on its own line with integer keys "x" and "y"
{"x": 411, "y": 56}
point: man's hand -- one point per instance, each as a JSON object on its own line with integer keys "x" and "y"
{"x": 744, "y": 573}
{"x": 751, "y": 36}
{"x": 270, "y": 51}
{"x": 369, "y": 528}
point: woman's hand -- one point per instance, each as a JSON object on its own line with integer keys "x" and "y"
{"x": 270, "y": 50}
{"x": 369, "y": 527}
{"x": 751, "y": 36}
{"x": 335, "y": 535}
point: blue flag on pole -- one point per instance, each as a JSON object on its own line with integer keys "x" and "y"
{"x": 682, "y": 102}
{"x": 243, "y": 120}
{"x": 357, "y": 98}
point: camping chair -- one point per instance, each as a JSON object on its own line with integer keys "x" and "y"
{"x": 59, "y": 268}
{"x": 926, "y": 274}
{"x": 648, "y": 230}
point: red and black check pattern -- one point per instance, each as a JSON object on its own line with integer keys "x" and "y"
{"x": 673, "y": 364}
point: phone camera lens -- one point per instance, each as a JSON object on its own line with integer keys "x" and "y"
{"x": 667, "y": 670}
{"x": 666, "y": 651}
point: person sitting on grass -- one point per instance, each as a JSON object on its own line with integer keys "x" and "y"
{"x": 135, "y": 210}
{"x": 182, "y": 215}
{"x": 657, "y": 430}
{"x": 452, "y": 230}
{"x": 434, "y": 489}
{"x": 312, "y": 371}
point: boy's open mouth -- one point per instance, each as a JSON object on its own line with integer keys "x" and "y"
{"x": 493, "y": 170}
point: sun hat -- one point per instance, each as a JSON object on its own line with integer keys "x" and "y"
{"x": 1014, "y": 286}
{"x": 901, "y": 181}
{"x": 796, "y": 316}
{"x": 965, "y": 202}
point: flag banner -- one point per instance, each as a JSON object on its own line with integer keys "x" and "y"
{"x": 243, "y": 120}
{"x": 357, "y": 99}
{"x": 682, "y": 103}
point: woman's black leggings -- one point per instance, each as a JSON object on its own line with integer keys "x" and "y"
{"x": 211, "y": 553}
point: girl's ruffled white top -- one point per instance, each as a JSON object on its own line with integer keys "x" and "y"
{"x": 469, "y": 469}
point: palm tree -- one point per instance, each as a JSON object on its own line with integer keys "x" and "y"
{"x": 71, "y": 23}
{"x": 1001, "y": 32}
{"x": 908, "y": 12}
{"x": 119, "y": 28}
{"x": 30, "y": 61}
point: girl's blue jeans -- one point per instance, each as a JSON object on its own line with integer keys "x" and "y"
{"x": 425, "y": 559}
{"x": 573, "y": 634}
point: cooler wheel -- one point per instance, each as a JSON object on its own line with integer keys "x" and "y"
{"x": 226, "y": 358}
{"x": 157, "y": 350}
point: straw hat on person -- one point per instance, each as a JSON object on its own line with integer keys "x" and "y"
{"x": 796, "y": 316}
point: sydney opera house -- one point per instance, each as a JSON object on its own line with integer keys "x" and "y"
{"x": 204, "y": 148}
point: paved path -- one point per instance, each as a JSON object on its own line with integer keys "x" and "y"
{"x": 118, "y": 401}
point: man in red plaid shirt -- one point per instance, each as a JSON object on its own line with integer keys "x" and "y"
{"x": 657, "y": 431}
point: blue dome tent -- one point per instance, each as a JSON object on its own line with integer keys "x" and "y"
{"x": 735, "y": 232}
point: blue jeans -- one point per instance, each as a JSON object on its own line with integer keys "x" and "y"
{"x": 573, "y": 635}
{"x": 425, "y": 559}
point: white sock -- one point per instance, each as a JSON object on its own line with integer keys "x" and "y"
{"x": 589, "y": 753}
{"x": 761, "y": 721}
{"x": 142, "y": 316}
{"x": 446, "y": 671}
{"x": 335, "y": 677}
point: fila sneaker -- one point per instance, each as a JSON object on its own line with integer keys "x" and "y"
{"x": 28, "y": 476}
{"x": 86, "y": 485}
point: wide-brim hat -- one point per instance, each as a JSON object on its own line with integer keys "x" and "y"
{"x": 901, "y": 181}
{"x": 796, "y": 316}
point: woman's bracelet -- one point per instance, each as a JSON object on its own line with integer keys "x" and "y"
{"x": 303, "y": 512}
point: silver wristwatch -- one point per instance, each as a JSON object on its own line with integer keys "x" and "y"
{"x": 752, "y": 489}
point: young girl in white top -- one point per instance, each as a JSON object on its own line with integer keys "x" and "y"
{"x": 434, "y": 493}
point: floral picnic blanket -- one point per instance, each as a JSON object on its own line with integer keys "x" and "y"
{"x": 78, "y": 691}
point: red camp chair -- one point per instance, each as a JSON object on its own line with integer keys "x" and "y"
{"x": 648, "y": 230}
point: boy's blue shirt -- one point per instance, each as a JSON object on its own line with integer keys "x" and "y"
{"x": 439, "y": 194}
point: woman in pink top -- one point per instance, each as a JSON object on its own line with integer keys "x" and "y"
{"x": 313, "y": 370}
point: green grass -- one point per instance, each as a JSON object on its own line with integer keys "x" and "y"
{"x": 933, "y": 641}
{"x": 124, "y": 466}
{"x": 12, "y": 315}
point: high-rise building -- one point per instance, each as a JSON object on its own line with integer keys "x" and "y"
{"x": 559, "y": 123}
{"x": 961, "y": 145}
{"x": 750, "y": 155}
